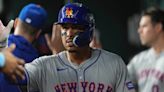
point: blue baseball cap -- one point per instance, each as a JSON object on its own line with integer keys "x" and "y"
{"x": 34, "y": 15}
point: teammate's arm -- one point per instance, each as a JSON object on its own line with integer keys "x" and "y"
{"x": 54, "y": 42}
{"x": 132, "y": 72}
{"x": 123, "y": 83}
{"x": 11, "y": 65}
{"x": 34, "y": 76}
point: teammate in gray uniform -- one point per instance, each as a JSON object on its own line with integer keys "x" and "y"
{"x": 79, "y": 68}
{"x": 147, "y": 68}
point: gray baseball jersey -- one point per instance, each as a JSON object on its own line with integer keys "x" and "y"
{"x": 103, "y": 72}
{"x": 147, "y": 70}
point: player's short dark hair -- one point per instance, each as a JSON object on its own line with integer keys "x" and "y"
{"x": 156, "y": 14}
{"x": 28, "y": 28}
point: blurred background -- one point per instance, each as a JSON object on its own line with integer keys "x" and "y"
{"x": 116, "y": 20}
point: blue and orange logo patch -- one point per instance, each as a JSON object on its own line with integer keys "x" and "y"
{"x": 69, "y": 13}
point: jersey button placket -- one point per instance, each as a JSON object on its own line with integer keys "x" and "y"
{"x": 80, "y": 77}
{"x": 80, "y": 74}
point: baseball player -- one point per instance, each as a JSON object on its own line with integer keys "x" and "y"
{"x": 146, "y": 69}
{"x": 27, "y": 26}
{"x": 79, "y": 68}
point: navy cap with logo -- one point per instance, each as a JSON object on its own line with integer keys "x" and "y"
{"x": 34, "y": 15}
{"x": 78, "y": 14}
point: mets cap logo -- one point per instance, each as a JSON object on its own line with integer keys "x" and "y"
{"x": 69, "y": 13}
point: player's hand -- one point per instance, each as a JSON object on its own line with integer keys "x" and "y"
{"x": 5, "y": 31}
{"x": 54, "y": 42}
{"x": 13, "y": 65}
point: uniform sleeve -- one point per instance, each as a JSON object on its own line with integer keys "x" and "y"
{"x": 123, "y": 83}
{"x": 132, "y": 71}
{"x": 33, "y": 72}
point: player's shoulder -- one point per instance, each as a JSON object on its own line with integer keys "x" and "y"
{"x": 45, "y": 59}
{"x": 141, "y": 55}
{"x": 110, "y": 57}
{"x": 108, "y": 54}
{"x": 144, "y": 52}
{"x": 52, "y": 58}
{"x": 111, "y": 60}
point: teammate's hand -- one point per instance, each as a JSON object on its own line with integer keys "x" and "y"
{"x": 54, "y": 42}
{"x": 5, "y": 31}
{"x": 13, "y": 65}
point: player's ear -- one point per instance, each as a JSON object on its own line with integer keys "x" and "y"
{"x": 15, "y": 22}
{"x": 159, "y": 27}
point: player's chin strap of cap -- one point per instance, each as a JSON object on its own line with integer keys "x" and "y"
{"x": 83, "y": 38}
